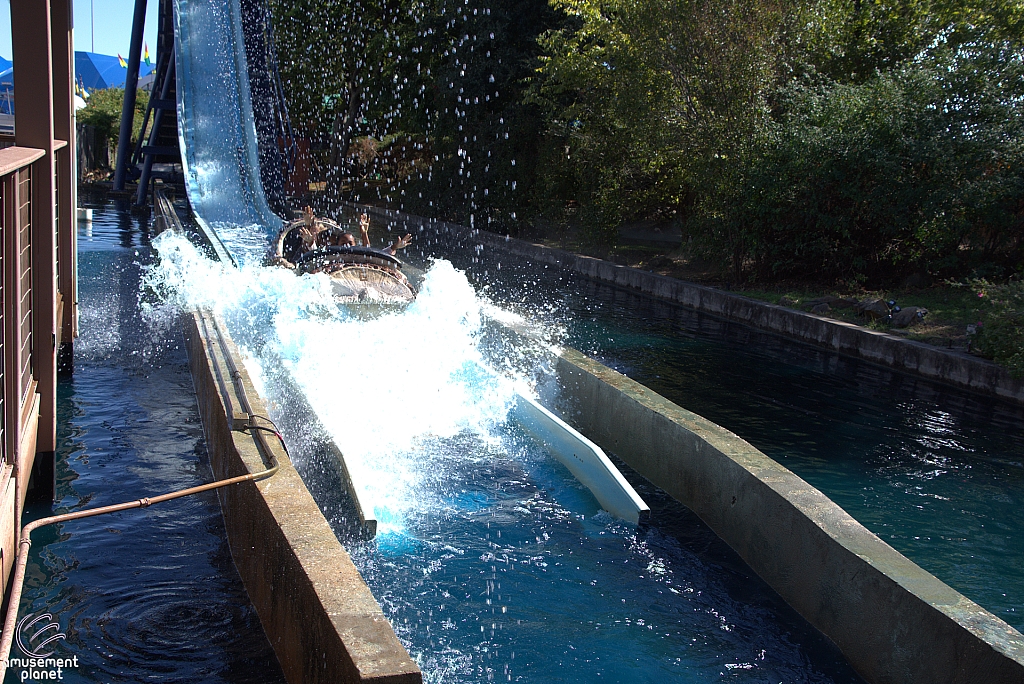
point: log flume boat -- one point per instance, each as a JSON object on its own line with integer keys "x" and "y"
{"x": 357, "y": 273}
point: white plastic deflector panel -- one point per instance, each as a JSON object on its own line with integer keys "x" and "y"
{"x": 584, "y": 459}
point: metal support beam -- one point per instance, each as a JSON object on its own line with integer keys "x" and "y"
{"x": 131, "y": 84}
{"x": 151, "y": 149}
{"x": 137, "y": 154}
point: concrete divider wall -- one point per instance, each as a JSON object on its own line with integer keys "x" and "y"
{"x": 955, "y": 368}
{"x": 319, "y": 615}
{"x": 892, "y": 620}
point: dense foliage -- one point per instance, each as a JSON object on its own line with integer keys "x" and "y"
{"x": 836, "y": 140}
{"x": 917, "y": 169}
{"x": 832, "y": 140}
{"x": 103, "y": 110}
{"x": 422, "y": 102}
{"x": 1000, "y": 335}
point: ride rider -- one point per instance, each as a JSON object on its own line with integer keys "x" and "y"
{"x": 399, "y": 243}
{"x": 310, "y": 233}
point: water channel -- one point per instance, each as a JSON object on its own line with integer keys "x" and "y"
{"x": 143, "y": 595}
{"x": 936, "y": 472}
{"x": 491, "y": 562}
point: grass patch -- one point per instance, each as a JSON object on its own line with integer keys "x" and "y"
{"x": 950, "y": 309}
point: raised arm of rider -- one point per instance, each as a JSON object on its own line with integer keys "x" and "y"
{"x": 399, "y": 243}
{"x": 364, "y": 227}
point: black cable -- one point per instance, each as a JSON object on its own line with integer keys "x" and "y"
{"x": 273, "y": 430}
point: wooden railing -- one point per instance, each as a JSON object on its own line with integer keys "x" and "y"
{"x": 37, "y": 255}
{"x": 16, "y": 165}
{"x": 28, "y": 347}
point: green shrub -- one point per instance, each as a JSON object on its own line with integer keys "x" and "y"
{"x": 918, "y": 169}
{"x": 1001, "y": 334}
{"x": 103, "y": 110}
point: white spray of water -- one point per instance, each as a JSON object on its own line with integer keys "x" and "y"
{"x": 387, "y": 388}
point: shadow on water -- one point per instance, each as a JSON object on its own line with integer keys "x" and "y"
{"x": 142, "y": 595}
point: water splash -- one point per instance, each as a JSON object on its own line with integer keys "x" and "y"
{"x": 400, "y": 393}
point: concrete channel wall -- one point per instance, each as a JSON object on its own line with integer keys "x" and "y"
{"x": 319, "y": 615}
{"x": 892, "y": 620}
{"x": 951, "y": 367}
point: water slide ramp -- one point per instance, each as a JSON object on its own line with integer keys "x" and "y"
{"x": 220, "y": 159}
{"x": 216, "y": 130}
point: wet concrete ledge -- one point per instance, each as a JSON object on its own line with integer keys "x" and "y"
{"x": 954, "y": 368}
{"x": 893, "y": 621}
{"x": 317, "y": 612}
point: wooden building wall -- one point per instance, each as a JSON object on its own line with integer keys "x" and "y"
{"x": 38, "y": 271}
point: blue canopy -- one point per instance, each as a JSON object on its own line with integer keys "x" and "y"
{"x": 92, "y": 70}
{"x": 95, "y": 71}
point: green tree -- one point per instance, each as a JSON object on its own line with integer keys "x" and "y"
{"x": 103, "y": 110}
{"x": 852, "y": 40}
{"x": 647, "y": 98}
{"x": 482, "y": 138}
{"x": 916, "y": 169}
{"x": 328, "y": 55}
{"x": 423, "y": 100}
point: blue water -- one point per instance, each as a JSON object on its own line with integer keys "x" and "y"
{"x": 492, "y": 562}
{"x": 143, "y": 595}
{"x": 936, "y": 472}
{"x": 514, "y": 574}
